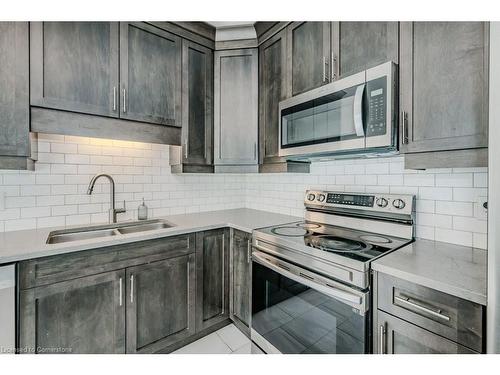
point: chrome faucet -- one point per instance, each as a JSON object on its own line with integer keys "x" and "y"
{"x": 112, "y": 210}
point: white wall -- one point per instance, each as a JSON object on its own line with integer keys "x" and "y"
{"x": 449, "y": 201}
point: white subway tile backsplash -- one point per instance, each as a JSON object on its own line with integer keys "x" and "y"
{"x": 448, "y": 205}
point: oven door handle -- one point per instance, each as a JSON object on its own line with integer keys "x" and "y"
{"x": 358, "y": 111}
{"x": 328, "y": 289}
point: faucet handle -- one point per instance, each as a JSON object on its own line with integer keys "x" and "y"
{"x": 121, "y": 210}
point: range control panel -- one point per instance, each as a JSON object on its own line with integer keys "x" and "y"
{"x": 390, "y": 203}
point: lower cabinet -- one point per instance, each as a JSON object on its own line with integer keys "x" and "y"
{"x": 212, "y": 277}
{"x": 85, "y": 315}
{"x": 157, "y": 312}
{"x": 400, "y": 337}
{"x": 240, "y": 274}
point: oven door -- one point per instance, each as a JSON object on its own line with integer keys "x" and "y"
{"x": 324, "y": 120}
{"x": 297, "y": 311}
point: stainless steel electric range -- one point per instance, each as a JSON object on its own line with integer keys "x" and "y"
{"x": 311, "y": 279}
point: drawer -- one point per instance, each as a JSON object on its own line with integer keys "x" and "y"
{"x": 57, "y": 268}
{"x": 456, "y": 319}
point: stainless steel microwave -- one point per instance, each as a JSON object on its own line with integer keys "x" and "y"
{"x": 354, "y": 115}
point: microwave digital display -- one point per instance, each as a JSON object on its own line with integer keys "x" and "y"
{"x": 376, "y": 92}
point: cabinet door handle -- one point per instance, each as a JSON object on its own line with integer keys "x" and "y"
{"x": 255, "y": 150}
{"x": 114, "y": 98}
{"x": 249, "y": 252}
{"x": 223, "y": 275}
{"x": 121, "y": 291}
{"x": 334, "y": 67}
{"x": 404, "y": 117}
{"x": 403, "y": 300}
{"x": 185, "y": 149}
{"x": 324, "y": 68}
{"x": 124, "y": 100}
{"x": 131, "y": 288}
{"x": 382, "y": 332}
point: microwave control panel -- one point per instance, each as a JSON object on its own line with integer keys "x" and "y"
{"x": 376, "y": 111}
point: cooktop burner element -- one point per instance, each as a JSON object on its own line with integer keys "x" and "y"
{"x": 376, "y": 239}
{"x": 289, "y": 231}
{"x": 309, "y": 225}
{"x": 337, "y": 244}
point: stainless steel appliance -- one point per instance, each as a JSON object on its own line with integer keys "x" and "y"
{"x": 7, "y": 309}
{"x": 311, "y": 279}
{"x": 355, "y": 114}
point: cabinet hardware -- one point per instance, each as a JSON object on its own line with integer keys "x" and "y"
{"x": 255, "y": 150}
{"x": 325, "y": 64}
{"x": 249, "y": 252}
{"x": 408, "y": 302}
{"x": 223, "y": 275}
{"x": 404, "y": 117}
{"x": 121, "y": 289}
{"x": 334, "y": 67}
{"x": 382, "y": 331}
{"x": 114, "y": 98}
{"x": 124, "y": 101}
{"x": 131, "y": 288}
{"x": 185, "y": 149}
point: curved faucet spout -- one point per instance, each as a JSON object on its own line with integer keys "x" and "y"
{"x": 112, "y": 210}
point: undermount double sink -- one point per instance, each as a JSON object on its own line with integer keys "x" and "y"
{"x": 86, "y": 233}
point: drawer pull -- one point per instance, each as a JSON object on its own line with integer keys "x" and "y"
{"x": 408, "y": 302}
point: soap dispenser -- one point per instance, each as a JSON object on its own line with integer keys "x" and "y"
{"x": 142, "y": 211}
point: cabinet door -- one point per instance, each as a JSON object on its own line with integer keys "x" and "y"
{"x": 197, "y": 103}
{"x": 240, "y": 278}
{"x": 212, "y": 277}
{"x": 361, "y": 45}
{"x": 150, "y": 74}
{"x": 444, "y": 86}
{"x": 396, "y": 336}
{"x": 308, "y": 55}
{"x": 236, "y": 107}
{"x": 160, "y": 304}
{"x": 85, "y": 315}
{"x": 14, "y": 89}
{"x": 272, "y": 89}
{"x": 74, "y": 66}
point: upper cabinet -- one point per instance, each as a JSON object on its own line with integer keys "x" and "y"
{"x": 195, "y": 155}
{"x": 444, "y": 93}
{"x": 236, "y": 110}
{"x": 15, "y": 139}
{"x": 150, "y": 74}
{"x": 74, "y": 66}
{"x": 361, "y": 45}
{"x": 308, "y": 55}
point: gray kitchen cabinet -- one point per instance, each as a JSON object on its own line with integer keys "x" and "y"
{"x": 397, "y": 336}
{"x": 84, "y": 315}
{"x": 240, "y": 279}
{"x": 160, "y": 303}
{"x": 357, "y": 46}
{"x": 443, "y": 92}
{"x": 150, "y": 74}
{"x": 196, "y": 153}
{"x": 308, "y": 55}
{"x": 74, "y": 66}
{"x": 212, "y": 277}
{"x": 272, "y": 89}
{"x": 236, "y": 110}
{"x": 16, "y": 151}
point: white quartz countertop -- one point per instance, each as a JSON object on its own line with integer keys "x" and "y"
{"x": 29, "y": 244}
{"x": 456, "y": 270}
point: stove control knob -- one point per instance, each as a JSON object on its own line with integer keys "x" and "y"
{"x": 310, "y": 197}
{"x": 382, "y": 202}
{"x": 321, "y": 197}
{"x": 399, "y": 204}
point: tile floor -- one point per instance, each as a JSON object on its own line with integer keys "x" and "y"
{"x": 227, "y": 340}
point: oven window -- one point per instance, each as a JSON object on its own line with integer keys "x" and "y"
{"x": 297, "y": 319}
{"x": 326, "y": 119}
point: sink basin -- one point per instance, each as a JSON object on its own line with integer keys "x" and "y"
{"x": 86, "y": 233}
{"x": 64, "y": 236}
{"x": 142, "y": 227}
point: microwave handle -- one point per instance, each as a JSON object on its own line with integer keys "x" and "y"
{"x": 358, "y": 110}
